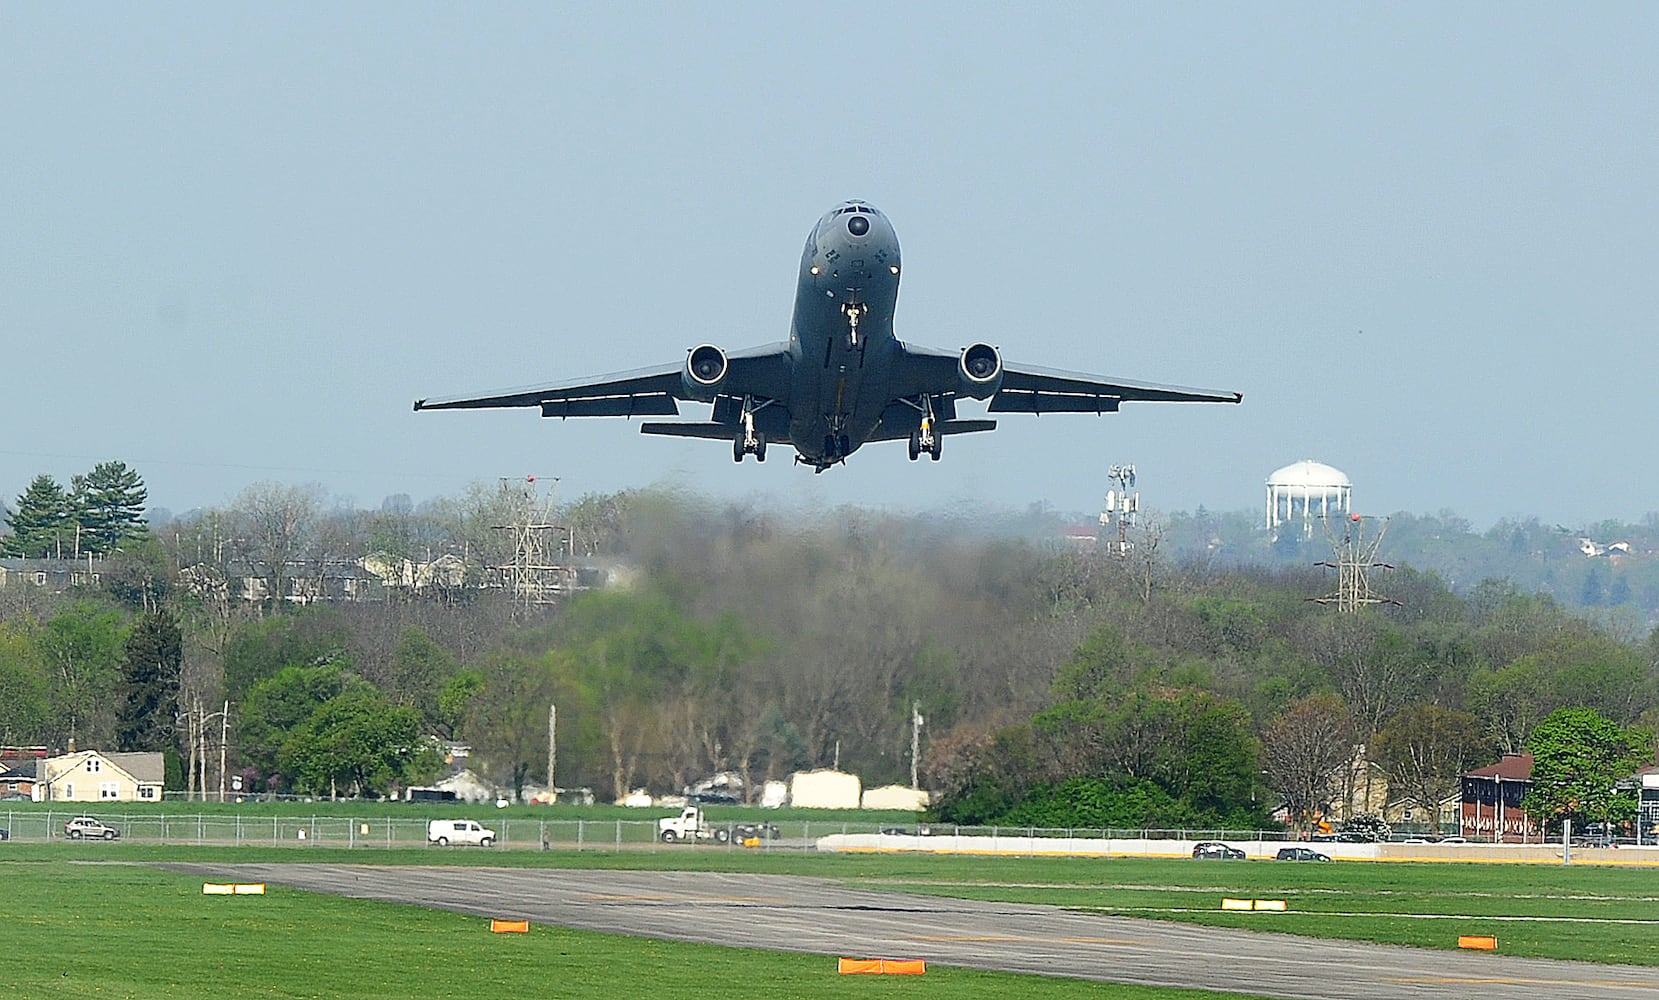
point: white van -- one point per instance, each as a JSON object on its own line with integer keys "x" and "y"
{"x": 444, "y": 832}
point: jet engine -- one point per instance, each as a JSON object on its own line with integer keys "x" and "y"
{"x": 705, "y": 369}
{"x": 980, "y": 371}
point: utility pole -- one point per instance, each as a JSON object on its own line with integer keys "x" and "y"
{"x": 552, "y": 748}
{"x": 915, "y": 743}
{"x": 224, "y": 739}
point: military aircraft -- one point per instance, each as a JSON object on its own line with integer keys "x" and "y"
{"x": 841, "y": 380}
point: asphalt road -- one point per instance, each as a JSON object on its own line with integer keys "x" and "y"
{"x": 789, "y": 913}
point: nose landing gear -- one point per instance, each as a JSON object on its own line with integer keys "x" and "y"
{"x": 854, "y": 312}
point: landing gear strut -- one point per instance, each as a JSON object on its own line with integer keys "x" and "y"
{"x": 855, "y": 311}
{"x": 925, "y": 438}
{"x": 749, "y": 441}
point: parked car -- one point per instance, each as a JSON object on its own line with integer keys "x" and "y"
{"x": 1216, "y": 849}
{"x": 713, "y": 798}
{"x": 1301, "y": 854}
{"x": 444, "y": 832}
{"x": 87, "y": 828}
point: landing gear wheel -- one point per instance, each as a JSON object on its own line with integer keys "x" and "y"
{"x": 915, "y": 445}
{"x": 846, "y": 446}
{"x": 760, "y": 447}
{"x": 938, "y": 446}
{"x": 737, "y": 448}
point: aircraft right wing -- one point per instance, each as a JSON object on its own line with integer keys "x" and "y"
{"x": 762, "y": 372}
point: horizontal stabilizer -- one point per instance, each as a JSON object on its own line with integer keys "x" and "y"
{"x": 692, "y": 429}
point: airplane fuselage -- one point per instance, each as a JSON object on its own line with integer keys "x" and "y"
{"x": 841, "y": 336}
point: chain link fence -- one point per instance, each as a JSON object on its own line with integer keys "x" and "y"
{"x": 229, "y": 830}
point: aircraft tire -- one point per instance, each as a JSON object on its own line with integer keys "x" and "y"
{"x": 760, "y": 447}
{"x": 938, "y": 447}
{"x": 846, "y": 446}
{"x": 737, "y": 448}
{"x": 915, "y": 445}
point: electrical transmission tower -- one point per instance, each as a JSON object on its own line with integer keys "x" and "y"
{"x": 1355, "y": 556}
{"x": 534, "y": 574}
{"x": 1121, "y": 508}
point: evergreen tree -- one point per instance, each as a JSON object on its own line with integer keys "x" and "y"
{"x": 108, "y": 504}
{"x": 40, "y": 522}
{"x": 154, "y": 654}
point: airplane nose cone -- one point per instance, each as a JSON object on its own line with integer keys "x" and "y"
{"x": 858, "y": 225}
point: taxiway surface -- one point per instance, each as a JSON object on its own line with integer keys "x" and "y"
{"x": 821, "y": 916}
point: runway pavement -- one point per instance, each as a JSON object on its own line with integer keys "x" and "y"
{"x": 821, "y": 916}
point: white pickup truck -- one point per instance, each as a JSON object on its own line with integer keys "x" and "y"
{"x": 444, "y": 832}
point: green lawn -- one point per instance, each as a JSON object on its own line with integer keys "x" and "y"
{"x": 131, "y": 932}
{"x": 1588, "y": 913}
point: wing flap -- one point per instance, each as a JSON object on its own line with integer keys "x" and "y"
{"x": 652, "y": 404}
{"x": 1028, "y": 389}
{"x": 663, "y": 382}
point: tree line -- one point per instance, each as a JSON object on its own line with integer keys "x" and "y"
{"x": 1060, "y": 687}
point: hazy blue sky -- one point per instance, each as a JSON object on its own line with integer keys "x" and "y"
{"x": 237, "y": 240}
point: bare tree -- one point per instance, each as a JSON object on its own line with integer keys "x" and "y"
{"x": 275, "y": 524}
{"x": 1304, "y": 750}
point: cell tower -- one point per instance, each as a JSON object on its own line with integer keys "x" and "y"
{"x": 1121, "y": 508}
{"x": 1355, "y": 556}
{"x": 534, "y": 574}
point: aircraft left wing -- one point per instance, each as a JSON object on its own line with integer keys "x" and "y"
{"x": 1028, "y": 389}
{"x": 761, "y": 371}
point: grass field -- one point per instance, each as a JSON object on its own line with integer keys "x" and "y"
{"x": 130, "y": 932}
{"x": 1584, "y": 913}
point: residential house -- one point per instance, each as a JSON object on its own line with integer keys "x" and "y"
{"x": 95, "y": 776}
{"x": 53, "y": 575}
{"x": 18, "y": 770}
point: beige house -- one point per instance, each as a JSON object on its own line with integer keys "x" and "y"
{"x": 93, "y": 776}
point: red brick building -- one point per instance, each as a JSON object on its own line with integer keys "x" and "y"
{"x": 1491, "y": 807}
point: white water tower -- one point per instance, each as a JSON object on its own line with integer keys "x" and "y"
{"x": 1304, "y": 491}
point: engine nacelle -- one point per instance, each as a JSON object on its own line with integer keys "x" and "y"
{"x": 705, "y": 370}
{"x": 980, "y": 371}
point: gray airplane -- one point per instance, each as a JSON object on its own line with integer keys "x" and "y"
{"x": 841, "y": 380}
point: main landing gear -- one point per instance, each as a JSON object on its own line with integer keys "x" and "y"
{"x": 748, "y": 440}
{"x": 925, "y": 438}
